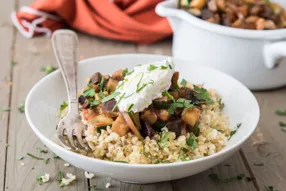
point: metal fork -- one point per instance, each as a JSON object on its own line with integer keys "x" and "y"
{"x": 64, "y": 45}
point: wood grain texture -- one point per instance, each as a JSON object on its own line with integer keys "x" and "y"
{"x": 6, "y": 36}
{"x": 267, "y": 144}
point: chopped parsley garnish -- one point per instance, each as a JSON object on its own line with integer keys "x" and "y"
{"x": 60, "y": 176}
{"x": 63, "y": 106}
{"x": 21, "y": 108}
{"x": 93, "y": 187}
{"x": 48, "y": 69}
{"x": 13, "y": 63}
{"x": 130, "y": 107}
{"x": 121, "y": 97}
{"x": 42, "y": 150}
{"x": 258, "y": 164}
{"x": 125, "y": 71}
{"x": 20, "y": 158}
{"x": 165, "y": 138}
{"x": 249, "y": 179}
{"x": 164, "y": 67}
{"x": 138, "y": 87}
{"x": 6, "y": 109}
{"x": 226, "y": 180}
{"x": 202, "y": 95}
{"x": 98, "y": 129}
{"x": 38, "y": 158}
{"x": 221, "y": 104}
{"x": 184, "y": 82}
{"x": 55, "y": 156}
{"x": 169, "y": 96}
{"x": 93, "y": 103}
{"x": 101, "y": 83}
{"x": 6, "y": 145}
{"x": 269, "y": 188}
{"x": 192, "y": 142}
{"x": 152, "y": 67}
{"x": 180, "y": 103}
{"x": 196, "y": 130}
{"x": 89, "y": 92}
{"x": 120, "y": 161}
{"x": 282, "y": 124}
{"x": 280, "y": 113}
{"x": 110, "y": 97}
{"x": 128, "y": 73}
{"x": 234, "y": 131}
{"x": 169, "y": 64}
{"x": 40, "y": 180}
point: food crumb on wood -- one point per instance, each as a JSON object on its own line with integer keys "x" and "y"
{"x": 88, "y": 175}
{"x": 66, "y": 164}
{"x": 22, "y": 164}
{"x": 107, "y": 185}
{"x": 66, "y": 181}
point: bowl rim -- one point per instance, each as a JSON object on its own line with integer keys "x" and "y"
{"x": 168, "y": 9}
{"x": 233, "y": 147}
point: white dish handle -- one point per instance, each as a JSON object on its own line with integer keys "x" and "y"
{"x": 273, "y": 52}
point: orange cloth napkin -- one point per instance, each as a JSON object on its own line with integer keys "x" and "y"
{"x": 126, "y": 20}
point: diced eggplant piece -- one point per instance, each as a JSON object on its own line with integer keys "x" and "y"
{"x": 109, "y": 105}
{"x": 81, "y": 99}
{"x": 146, "y": 129}
{"x": 136, "y": 119}
{"x": 191, "y": 117}
{"x": 112, "y": 84}
{"x": 188, "y": 94}
{"x": 159, "y": 125}
{"x": 163, "y": 114}
{"x": 175, "y": 126}
{"x": 96, "y": 88}
{"x": 118, "y": 75}
{"x": 206, "y": 14}
{"x": 184, "y": 129}
{"x": 149, "y": 116}
{"x": 175, "y": 94}
{"x": 85, "y": 105}
{"x": 120, "y": 126}
{"x": 96, "y": 78}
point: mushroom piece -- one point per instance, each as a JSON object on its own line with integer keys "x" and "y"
{"x": 163, "y": 114}
{"x": 107, "y": 108}
{"x": 96, "y": 78}
{"x": 175, "y": 126}
{"x": 120, "y": 126}
{"x": 146, "y": 130}
{"x": 191, "y": 117}
{"x": 112, "y": 84}
{"x": 149, "y": 116}
{"x": 118, "y": 75}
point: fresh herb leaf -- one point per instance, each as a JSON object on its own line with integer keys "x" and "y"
{"x": 258, "y": 164}
{"x": 93, "y": 103}
{"x": 184, "y": 82}
{"x": 130, "y": 107}
{"x": 60, "y": 176}
{"x": 48, "y": 69}
{"x": 269, "y": 188}
{"x": 202, "y": 95}
{"x": 152, "y": 67}
{"x": 110, "y": 97}
{"x": 6, "y": 145}
{"x": 164, "y": 67}
{"x": 119, "y": 100}
{"x": 221, "y": 104}
{"x": 21, "y": 107}
{"x": 98, "y": 129}
{"x": 101, "y": 83}
{"x": 280, "y": 113}
{"x": 192, "y": 142}
{"x": 13, "y": 63}
{"x": 94, "y": 121}
{"x": 89, "y": 92}
{"x": 165, "y": 138}
{"x": 6, "y": 109}
{"x": 125, "y": 71}
{"x": 234, "y": 131}
{"x": 55, "y": 156}
{"x": 169, "y": 96}
{"x": 225, "y": 180}
{"x": 63, "y": 106}
{"x": 40, "y": 180}
{"x": 42, "y": 150}
{"x": 138, "y": 88}
{"x": 127, "y": 74}
{"x": 93, "y": 187}
{"x": 249, "y": 179}
{"x": 20, "y": 158}
{"x": 38, "y": 158}
{"x": 169, "y": 64}
{"x": 120, "y": 161}
{"x": 282, "y": 124}
{"x": 196, "y": 130}
{"x": 47, "y": 160}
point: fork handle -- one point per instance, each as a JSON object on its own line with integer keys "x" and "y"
{"x": 64, "y": 45}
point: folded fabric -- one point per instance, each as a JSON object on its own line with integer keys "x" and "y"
{"x": 126, "y": 20}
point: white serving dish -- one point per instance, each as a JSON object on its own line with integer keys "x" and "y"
{"x": 45, "y": 97}
{"x": 248, "y": 55}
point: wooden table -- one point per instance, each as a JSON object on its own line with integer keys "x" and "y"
{"x": 267, "y": 146}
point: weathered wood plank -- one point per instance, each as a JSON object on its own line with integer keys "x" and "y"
{"x": 267, "y": 145}
{"x": 6, "y": 36}
{"x": 202, "y": 181}
{"x": 31, "y": 54}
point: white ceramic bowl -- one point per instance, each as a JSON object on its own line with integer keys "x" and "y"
{"x": 46, "y": 96}
{"x": 248, "y": 55}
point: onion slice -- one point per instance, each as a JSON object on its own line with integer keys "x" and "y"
{"x": 130, "y": 123}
